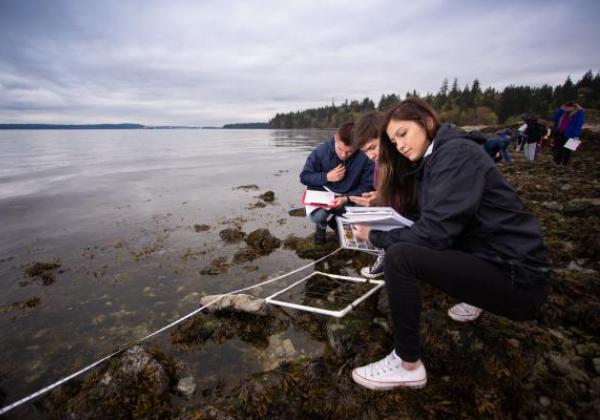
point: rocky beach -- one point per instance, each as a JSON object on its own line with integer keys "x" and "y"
{"x": 245, "y": 359}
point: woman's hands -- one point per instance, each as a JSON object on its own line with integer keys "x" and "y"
{"x": 361, "y": 232}
{"x": 368, "y": 199}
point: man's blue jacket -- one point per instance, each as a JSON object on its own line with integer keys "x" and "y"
{"x": 359, "y": 170}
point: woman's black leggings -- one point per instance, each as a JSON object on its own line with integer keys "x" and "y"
{"x": 561, "y": 154}
{"x": 464, "y": 276}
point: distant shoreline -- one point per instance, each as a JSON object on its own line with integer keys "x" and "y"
{"x": 126, "y": 126}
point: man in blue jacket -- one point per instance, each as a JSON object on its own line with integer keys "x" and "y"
{"x": 342, "y": 168}
{"x": 568, "y": 122}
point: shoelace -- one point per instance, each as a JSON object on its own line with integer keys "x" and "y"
{"x": 378, "y": 264}
{"x": 387, "y": 364}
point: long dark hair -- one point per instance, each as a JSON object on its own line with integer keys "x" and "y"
{"x": 396, "y": 184}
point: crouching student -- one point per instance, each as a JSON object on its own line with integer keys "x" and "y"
{"x": 339, "y": 166}
{"x": 365, "y": 136}
{"x": 473, "y": 238}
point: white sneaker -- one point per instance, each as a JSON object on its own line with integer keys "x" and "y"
{"x": 388, "y": 373}
{"x": 463, "y": 312}
{"x": 376, "y": 270}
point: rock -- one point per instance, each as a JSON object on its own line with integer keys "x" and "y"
{"x": 596, "y": 361}
{"x": 186, "y": 387}
{"x": 299, "y": 212}
{"x": 237, "y": 303}
{"x": 245, "y": 255}
{"x": 381, "y": 322}
{"x": 232, "y": 235}
{"x": 343, "y": 335}
{"x": 514, "y": 343}
{"x": 267, "y": 197}
{"x": 262, "y": 241}
{"x": 573, "y": 266}
{"x": 137, "y": 362}
{"x": 588, "y": 349}
{"x": 258, "y": 205}
{"x": 247, "y": 187}
{"x": 201, "y": 228}
{"x": 552, "y": 205}
{"x": 544, "y": 401}
{"x": 217, "y": 266}
{"x": 277, "y": 352}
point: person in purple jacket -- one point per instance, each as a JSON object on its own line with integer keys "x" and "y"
{"x": 339, "y": 166}
{"x": 473, "y": 238}
{"x": 568, "y": 122}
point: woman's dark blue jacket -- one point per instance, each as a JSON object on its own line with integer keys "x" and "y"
{"x": 467, "y": 205}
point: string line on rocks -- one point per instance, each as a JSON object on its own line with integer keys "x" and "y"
{"x": 65, "y": 379}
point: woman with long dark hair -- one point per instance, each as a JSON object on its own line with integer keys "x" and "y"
{"x": 473, "y": 237}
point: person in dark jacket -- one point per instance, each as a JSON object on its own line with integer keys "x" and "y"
{"x": 343, "y": 169}
{"x": 534, "y": 132}
{"x": 568, "y": 123}
{"x": 499, "y": 144}
{"x": 473, "y": 239}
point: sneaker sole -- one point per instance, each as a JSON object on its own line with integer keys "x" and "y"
{"x": 386, "y": 386}
{"x": 463, "y": 318}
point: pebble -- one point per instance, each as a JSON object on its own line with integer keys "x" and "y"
{"x": 186, "y": 386}
{"x": 596, "y": 361}
{"x": 573, "y": 266}
{"x": 514, "y": 343}
{"x": 544, "y": 401}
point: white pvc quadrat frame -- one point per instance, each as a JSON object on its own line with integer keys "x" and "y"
{"x": 378, "y": 284}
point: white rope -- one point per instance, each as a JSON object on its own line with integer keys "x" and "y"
{"x": 61, "y": 381}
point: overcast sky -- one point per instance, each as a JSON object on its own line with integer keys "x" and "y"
{"x": 213, "y": 62}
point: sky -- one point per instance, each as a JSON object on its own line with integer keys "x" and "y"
{"x": 207, "y": 63}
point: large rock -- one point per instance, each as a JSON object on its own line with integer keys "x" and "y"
{"x": 136, "y": 385}
{"x": 236, "y": 303}
{"x": 262, "y": 241}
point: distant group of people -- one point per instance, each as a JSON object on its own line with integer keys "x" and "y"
{"x": 532, "y": 134}
{"x": 472, "y": 237}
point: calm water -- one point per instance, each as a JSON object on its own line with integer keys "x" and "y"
{"x": 116, "y": 209}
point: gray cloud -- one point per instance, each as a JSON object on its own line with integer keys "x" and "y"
{"x": 211, "y": 62}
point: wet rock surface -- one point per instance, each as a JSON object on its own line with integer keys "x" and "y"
{"x": 491, "y": 368}
{"x": 236, "y": 303}
{"x": 137, "y": 384}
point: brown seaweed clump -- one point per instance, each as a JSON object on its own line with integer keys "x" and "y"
{"x": 217, "y": 266}
{"x": 245, "y": 254}
{"x": 201, "y": 228}
{"x": 232, "y": 235}
{"x": 262, "y": 241}
{"x": 43, "y": 271}
{"x": 25, "y": 304}
{"x": 267, "y": 197}
{"x": 247, "y": 187}
{"x": 224, "y": 325}
{"x": 137, "y": 384}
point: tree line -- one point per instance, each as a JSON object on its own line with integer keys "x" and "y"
{"x": 470, "y": 105}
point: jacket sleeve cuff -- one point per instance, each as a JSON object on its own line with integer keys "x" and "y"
{"x": 378, "y": 238}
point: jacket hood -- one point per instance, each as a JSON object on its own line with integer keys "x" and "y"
{"x": 449, "y": 132}
{"x": 446, "y": 133}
